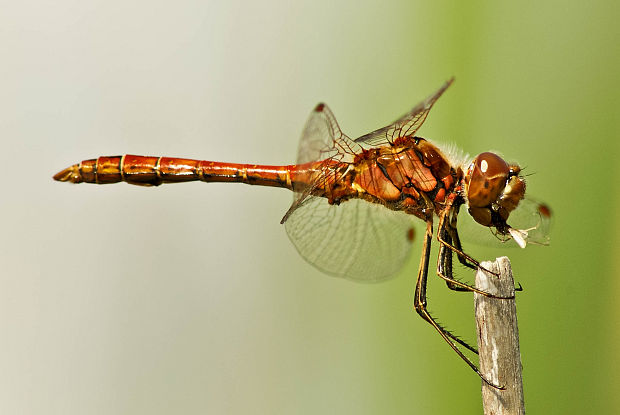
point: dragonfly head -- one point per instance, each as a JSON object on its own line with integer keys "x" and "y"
{"x": 494, "y": 189}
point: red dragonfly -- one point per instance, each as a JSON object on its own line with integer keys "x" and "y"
{"x": 354, "y": 200}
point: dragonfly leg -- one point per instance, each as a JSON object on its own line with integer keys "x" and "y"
{"x": 445, "y": 259}
{"x": 463, "y": 257}
{"x": 420, "y": 305}
{"x": 445, "y": 240}
{"x": 454, "y": 234}
{"x": 457, "y": 285}
{"x": 453, "y": 231}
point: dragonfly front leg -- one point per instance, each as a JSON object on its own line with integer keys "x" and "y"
{"x": 444, "y": 266}
{"x": 444, "y": 231}
{"x": 445, "y": 262}
{"x": 445, "y": 257}
{"x": 453, "y": 231}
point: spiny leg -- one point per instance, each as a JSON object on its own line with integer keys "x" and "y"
{"x": 454, "y": 234}
{"x": 443, "y": 224}
{"x": 420, "y": 305}
{"x": 445, "y": 258}
{"x": 446, "y": 243}
{"x": 463, "y": 257}
{"x": 453, "y": 231}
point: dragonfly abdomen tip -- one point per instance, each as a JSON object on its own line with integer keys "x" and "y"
{"x": 70, "y": 174}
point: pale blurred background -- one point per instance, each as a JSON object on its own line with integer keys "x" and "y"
{"x": 190, "y": 298}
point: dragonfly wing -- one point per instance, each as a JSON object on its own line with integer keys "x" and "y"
{"x": 532, "y": 218}
{"x": 357, "y": 240}
{"x": 407, "y": 125}
{"x": 321, "y": 139}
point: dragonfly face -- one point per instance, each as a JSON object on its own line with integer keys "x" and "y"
{"x": 494, "y": 189}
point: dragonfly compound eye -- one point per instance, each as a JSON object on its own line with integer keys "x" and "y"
{"x": 494, "y": 189}
{"x": 487, "y": 175}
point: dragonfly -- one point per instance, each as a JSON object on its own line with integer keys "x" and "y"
{"x": 355, "y": 201}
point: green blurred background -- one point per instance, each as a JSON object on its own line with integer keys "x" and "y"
{"x": 190, "y": 298}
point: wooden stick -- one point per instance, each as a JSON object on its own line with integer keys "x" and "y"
{"x": 498, "y": 340}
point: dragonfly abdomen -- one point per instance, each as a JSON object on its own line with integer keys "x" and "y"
{"x": 153, "y": 171}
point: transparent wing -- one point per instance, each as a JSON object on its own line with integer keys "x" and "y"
{"x": 533, "y": 221}
{"x": 407, "y": 125}
{"x": 531, "y": 217}
{"x": 356, "y": 239}
{"x": 321, "y": 139}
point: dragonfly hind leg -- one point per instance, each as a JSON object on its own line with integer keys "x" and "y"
{"x": 420, "y": 305}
